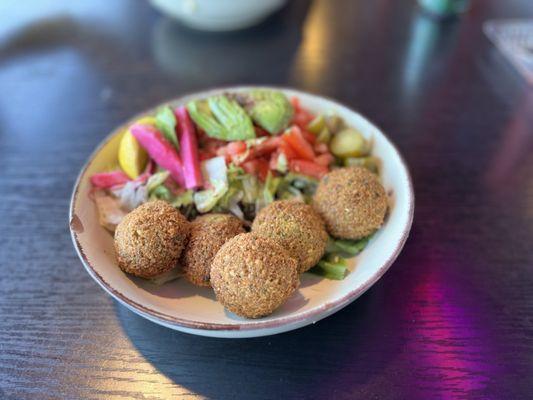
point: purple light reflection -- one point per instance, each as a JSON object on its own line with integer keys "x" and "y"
{"x": 448, "y": 342}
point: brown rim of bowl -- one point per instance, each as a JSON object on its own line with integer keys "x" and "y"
{"x": 317, "y": 312}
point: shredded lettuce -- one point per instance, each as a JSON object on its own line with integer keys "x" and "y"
{"x": 282, "y": 164}
{"x": 131, "y": 195}
{"x": 184, "y": 199}
{"x": 236, "y": 210}
{"x": 270, "y": 188}
{"x": 228, "y": 198}
{"x": 165, "y": 121}
{"x": 207, "y": 199}
{"x": 155, "y": 180}
{"x": 161, "y": 192}
{"x": 215, "y": 174}
{"x": 268, "y": 192}
{"x": 251, "y": 189}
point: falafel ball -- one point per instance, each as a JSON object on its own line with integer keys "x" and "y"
{"x": 297, "y": 227}
{"x": 150, "y": 239}
{"x": 253, "y": 275}
{"x": 352, "y": 202}
{"x": 208, "y": 233}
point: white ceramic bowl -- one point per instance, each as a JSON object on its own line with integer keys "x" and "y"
{"x": 218, "y": 15}
{"x": 184, "y": 307}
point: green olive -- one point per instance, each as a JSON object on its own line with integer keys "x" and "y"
{"x": 349, "y": 143}
{"x": 370, "y": 162}
{"x": 334, "y": 123}
{"x": 324, "y": 136}
{"x": 316, "y": 125}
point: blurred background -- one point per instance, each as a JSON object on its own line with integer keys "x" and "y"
{"x": 96, "y": 53}
{"x": 453, "y": 317}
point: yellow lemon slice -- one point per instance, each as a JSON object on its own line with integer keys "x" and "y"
{"x": 131, "y": 156}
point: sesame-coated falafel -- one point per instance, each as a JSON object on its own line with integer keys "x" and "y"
{"x": 208, "y": 233}
{"x": 352, "y": 202}
{"x": 150, "y": 239}
{"x": 297, "y": 227}
{"x": 253, "y": 275}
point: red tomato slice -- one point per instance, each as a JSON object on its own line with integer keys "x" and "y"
{"x": 297, "y": 142}
{"x": 286, "y": 149}
{"x": 232, "y": 149}
{"x": 266, "y": 147}
{"x": 309, "y": 168}
{"x": 321, "y": 148}
{"x": 295, "y": 101}
{"x": 324, "y": 159}
{"x": 222, "y": 151}
{"x": 301, "y": 120}
{"x": 237, "y": 147}
{"x": 258, "y": 167}
{"x": 309, "y": 136}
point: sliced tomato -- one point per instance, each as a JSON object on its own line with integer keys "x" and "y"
{"x": 240, "y": 153}
{"x": 222, "y": 151}
{"x": 295, "y": 101}
{"x": 297, "y": 142}
{"x": 237, "y": 147}
{"x": 258, "y": 167}
{"x": 308, "y": 168}
{"x": 324, "y": 159}
{"x": 309, "y": 136}
{"x": 321, "y": 148}
{"x": 267, "y": 146}
{"x": 232, "y": 148}
{"x": 301, "y": 119}
{"x": 286, "y": 149}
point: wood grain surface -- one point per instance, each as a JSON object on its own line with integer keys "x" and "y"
{"x": 452, "y": 319}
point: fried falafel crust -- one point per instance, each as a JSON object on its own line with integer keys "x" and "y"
{"x": 208, "y": 233}
{"x": 297, "y": 227}
{"x": 253, "y": 275}
{"x": 150, "y": 239}
{"x": 352, "y": 202}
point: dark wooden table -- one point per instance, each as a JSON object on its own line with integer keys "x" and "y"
{"x": 453, "y": 318}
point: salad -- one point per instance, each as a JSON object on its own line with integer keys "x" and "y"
{"x": 232, "y": 153}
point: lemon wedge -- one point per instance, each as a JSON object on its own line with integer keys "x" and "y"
{"x": 131, "y": 156}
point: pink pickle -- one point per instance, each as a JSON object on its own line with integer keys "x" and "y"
{"x": 106, "y": 180}
{"x": 188, "y": 149}
{"x": 159, "y": 149}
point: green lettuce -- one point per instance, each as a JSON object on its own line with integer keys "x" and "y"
{"x": 165, "y": 122}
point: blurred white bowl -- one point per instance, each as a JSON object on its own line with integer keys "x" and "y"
{"x": 218, "y": 15}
